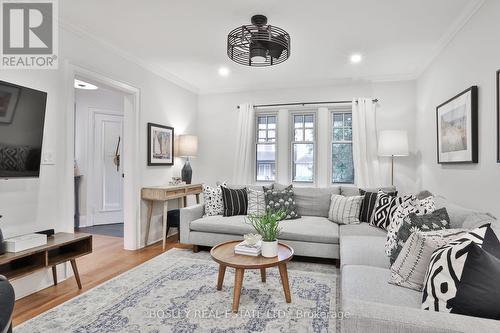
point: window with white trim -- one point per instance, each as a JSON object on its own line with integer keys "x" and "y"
{"x": 303, "y": 147}
{"x": 341, "y": 154}
{"x": 266, "y": 131}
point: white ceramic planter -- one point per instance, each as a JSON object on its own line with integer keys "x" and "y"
{"x": 270, "y": 249}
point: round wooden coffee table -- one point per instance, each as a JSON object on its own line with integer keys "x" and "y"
{"x": 224, "y": 255}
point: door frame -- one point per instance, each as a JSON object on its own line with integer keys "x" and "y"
{"x": 131, "y": 167}
{"x": 93, "y": 188}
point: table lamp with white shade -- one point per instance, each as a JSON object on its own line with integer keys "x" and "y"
{"x": 392, "y": 143}
{"x": 188, "y": 147}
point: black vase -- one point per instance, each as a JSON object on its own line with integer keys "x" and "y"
{"x": 187, "y": 172}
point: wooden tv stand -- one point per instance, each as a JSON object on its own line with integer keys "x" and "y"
{"x": 60, "y": 248}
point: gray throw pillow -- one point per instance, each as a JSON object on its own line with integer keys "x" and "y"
{"x": 282, "y": 200}
{"x": 437, "y": 220}
{"x": 411, "y": 264}
{"x": 345, "y": 210}
{"x": 256, "y": 202}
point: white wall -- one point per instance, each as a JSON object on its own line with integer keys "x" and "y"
{"x": 103, "y": 99}
{"x": 217, "y": 124}
{"x": 29, "y": 205}
{"x": 472, "y": 58}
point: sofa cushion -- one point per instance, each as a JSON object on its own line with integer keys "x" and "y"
{"x": 371, "y": 284}
{"x": 363, "y": 250}
{"x": 307, "y": 228}
{"x": 362, "y": 229}
{"x": 313, "y": 201}
{"x": 349, "y": 191}
{"x": 282, "y": 200}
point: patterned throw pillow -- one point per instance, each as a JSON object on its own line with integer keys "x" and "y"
{"x": 368, "y": 204}
{"x": 411, "y": 264}
{"x": 256, "y": 202}
{"x": 212, "y": 198}
{"x": 436, "y": 220}
{"x": 385, "y": 206}
{"x": 235, "y": 201}
{"x": 445, "y": 269}
{"x": 284, "y": 200}
{"x": 419, "y": 207}
{"x": 345, "y": 210}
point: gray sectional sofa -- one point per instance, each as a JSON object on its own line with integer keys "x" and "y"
{"x": 369, "y": 302}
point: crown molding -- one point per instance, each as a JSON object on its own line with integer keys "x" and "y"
{"x": 157, "y": 70}
{"x": 458, "y": 24}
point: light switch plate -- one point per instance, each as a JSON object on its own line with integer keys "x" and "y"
{"x": 48, "y": 158}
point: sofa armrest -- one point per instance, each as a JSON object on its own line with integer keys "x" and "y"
{"x": 187, "y": 215}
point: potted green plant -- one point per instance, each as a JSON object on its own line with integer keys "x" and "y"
{"x": 267, "y": 226}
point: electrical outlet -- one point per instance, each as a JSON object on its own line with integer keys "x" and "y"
{"x": 49, "y": 158}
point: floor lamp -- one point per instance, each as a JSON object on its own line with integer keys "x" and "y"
{"x": 392, "y": 143}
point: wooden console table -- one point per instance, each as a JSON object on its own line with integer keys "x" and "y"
{"x": 60, "y": 248}
{"x": 164, "y": 194}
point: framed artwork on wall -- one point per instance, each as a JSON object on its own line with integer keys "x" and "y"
{"x": 160, "y": 145}
{"x": 498, "y": 116}
{"x": 457, "y": 128}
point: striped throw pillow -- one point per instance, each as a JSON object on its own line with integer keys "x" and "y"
{"x": 235, "y": 201}
{"x": 345, "y": 210}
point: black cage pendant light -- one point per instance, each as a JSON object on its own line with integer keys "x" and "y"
{"x": 258, "y": 44}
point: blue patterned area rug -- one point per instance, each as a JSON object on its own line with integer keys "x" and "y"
{"x": 176, "y": 292}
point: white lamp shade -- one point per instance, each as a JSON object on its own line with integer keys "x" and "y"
{"x": 393, "y": 143}
{"x": 188, "y": 145}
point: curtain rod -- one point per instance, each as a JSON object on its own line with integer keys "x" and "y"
{"x": 304, "y": 104}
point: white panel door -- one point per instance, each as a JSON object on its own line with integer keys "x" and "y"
{"x": 108, "y": 194}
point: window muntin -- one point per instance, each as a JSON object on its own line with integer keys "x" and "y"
{"x": 266, "y": 148}
{"x": 303, "y": 147}
{"x": 341, "y": 154}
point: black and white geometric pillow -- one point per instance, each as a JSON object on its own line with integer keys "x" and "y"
{"x": 256, "y": 202}
{"x": 419, "y": 207}
{"x": 445, "y": 269}
{"x": 282, "y": 200}
{"x": 212, "y": 198}
{"x": 385, "y": 207}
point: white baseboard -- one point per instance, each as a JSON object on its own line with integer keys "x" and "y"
{"x": 83, "y": 221}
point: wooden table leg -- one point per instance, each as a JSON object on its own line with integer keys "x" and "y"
{"x": 284, "y": 281}
{"x": 75, "y": 271}
{"x": 54, "y": 274}
{"x": 220, "y": 278}
{"x": 238, "y": 282}
{"x": 185, "y": 201}
{"x": 197, "y": 198}
{"x": 164, "y": 223}
{"x": 148, "y": 222}
{"x": 263, "y": 274}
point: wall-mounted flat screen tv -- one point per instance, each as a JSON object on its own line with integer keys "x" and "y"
{"x": 22, "y": 115}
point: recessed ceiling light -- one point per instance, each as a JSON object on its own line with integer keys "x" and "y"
{"x": 79, "y": 84}
{"x": 356, "y": 58}
{"x": 223, "y": 71}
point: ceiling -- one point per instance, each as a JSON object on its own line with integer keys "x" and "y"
{"x": 185, "y": 40}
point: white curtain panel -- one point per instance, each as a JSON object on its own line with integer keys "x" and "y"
{"x": 244, "y": 158}
{"x": 364, "y": 143}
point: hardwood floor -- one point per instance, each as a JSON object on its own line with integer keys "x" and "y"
{"x": 107, "y": 261}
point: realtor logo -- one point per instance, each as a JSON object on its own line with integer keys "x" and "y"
{"x": 29, "y": 34}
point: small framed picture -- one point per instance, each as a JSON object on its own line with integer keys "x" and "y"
{"x": 8, "y": 102}
{"x": 498, "y": 116}
{"x": 457, "y": 128}
{"x": 160, "y": 145}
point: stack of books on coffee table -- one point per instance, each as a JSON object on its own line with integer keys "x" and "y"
{"x": 247, "y": 249}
